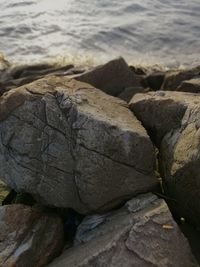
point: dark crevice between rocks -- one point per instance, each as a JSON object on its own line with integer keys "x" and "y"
{"x": 71, "y": 220}
{"x": 193, "y": 236}
{"x": 18, "y": 198}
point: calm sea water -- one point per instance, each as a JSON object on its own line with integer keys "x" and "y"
{"x": 143, "y": 31}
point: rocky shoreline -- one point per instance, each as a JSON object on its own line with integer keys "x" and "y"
{"x": 102, "y": 164}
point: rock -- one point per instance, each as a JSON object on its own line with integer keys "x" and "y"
{"x": 139, "y": 70}
{"x": 129, "y": 92}
{"x": 141, "y": 234}
{"x": 13, "y": 83}
{"x": 153, "y": 81}
{"x": 192, "y": 86}
{"x": 16, "y": 76}
{"x": 157, "y": 113}
{"x": 173, "y": 121}
{"x": 21, "y": 71}
{"x": 73, "y": 146}
{"x": 28, "y": 236}
{"x": 4, "y": 64}
{"x": 4, "y": 190}
{"x": 173, "y": 78}
{"x": 112, "y": 77}
{"x": 37, "y": 70}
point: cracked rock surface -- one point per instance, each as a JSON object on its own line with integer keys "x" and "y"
{"x": 141, "y": 234}
{"x": 71, "y": 145}
{"x": 28, "y": 236}
{"x": 173, "y": 121}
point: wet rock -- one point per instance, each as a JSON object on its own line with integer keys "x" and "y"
{"x": 138, "y": 70}
{"x": 112, "y": 77}
{"x": 20, "y": 71}
{"x": 192, "y": 86}
{"x": 141, "y": 234}
{"x": 28, "y": 236}
{"x": 11, "y": 83}
{"x": 71, "y": 145}
{"x": 153, "y": 81}
{"x": 174, "y": 78}
{"x": 173, "y": 121}
{"x": 16, "y": 76}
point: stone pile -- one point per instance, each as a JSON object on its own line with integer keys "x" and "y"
{"x": 89, "y": 161}
{"x": 173, "y": 122}
{"x": 142, "y": 233}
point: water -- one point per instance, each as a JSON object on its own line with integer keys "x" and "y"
{"x": 148, "y": 31}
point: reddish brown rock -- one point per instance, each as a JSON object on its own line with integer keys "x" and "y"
{"x": 28, "y": 237}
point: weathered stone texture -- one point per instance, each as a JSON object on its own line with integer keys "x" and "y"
{"x": 71, "y": 145}
{"x": 141, "y": 234}
{"x": 173, "y": 121}
{"x": 28, "y": 236}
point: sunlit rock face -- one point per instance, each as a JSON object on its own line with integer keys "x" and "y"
{"x": 173, "y": 121}
{"x": 71, "y": 145}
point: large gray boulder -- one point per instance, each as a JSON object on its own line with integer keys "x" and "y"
{"x": 29, "y": 237}
{"x": 141, "y": 234}
{"x": 173, "y": 121}
{"x": 71, "y": 145}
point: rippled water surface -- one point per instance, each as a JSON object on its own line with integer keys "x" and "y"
{"x": 150, "y": 31}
